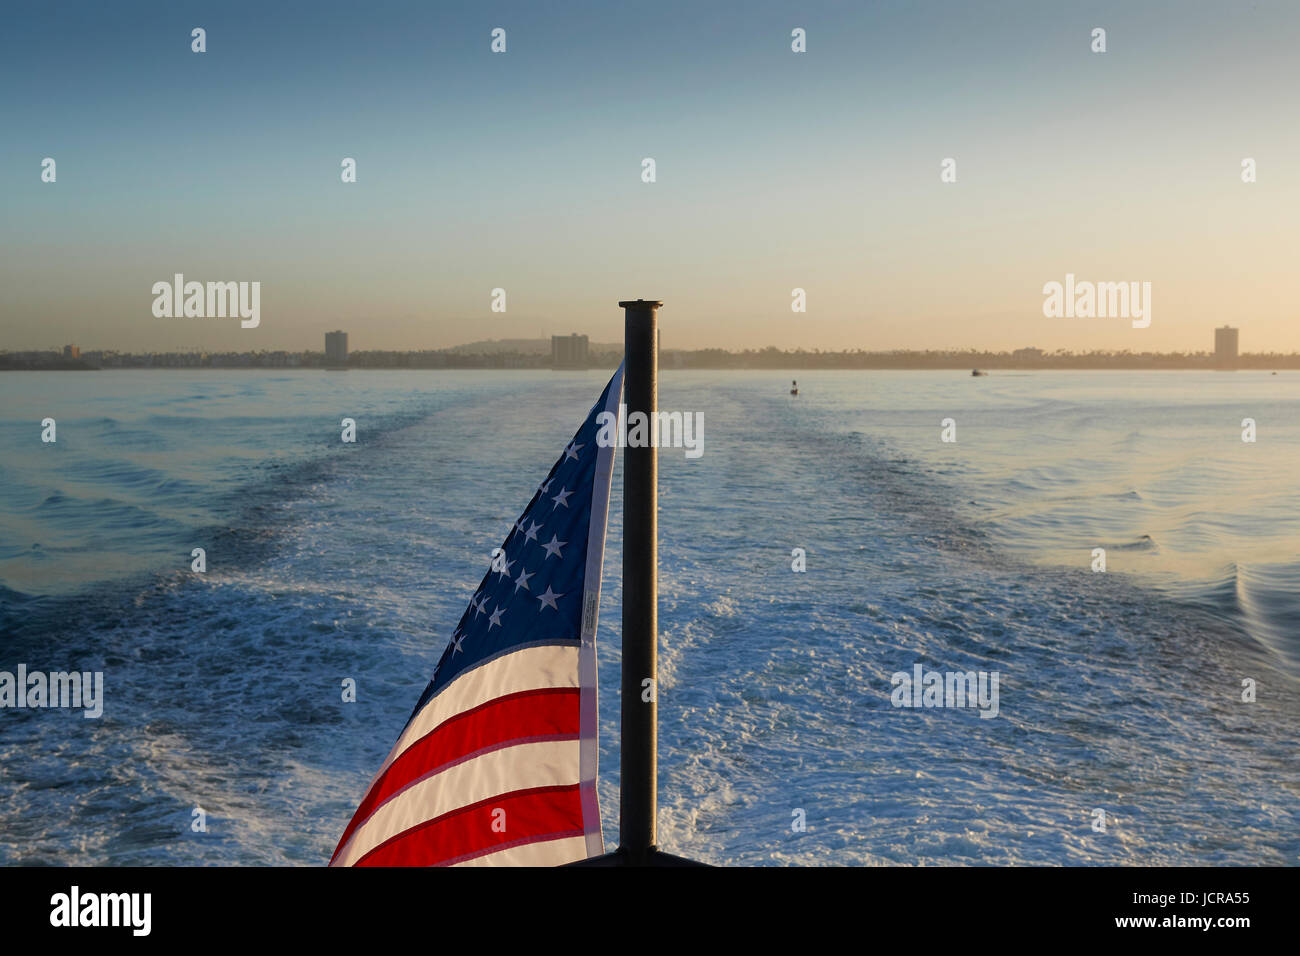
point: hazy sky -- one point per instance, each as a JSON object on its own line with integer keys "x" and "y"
{"x": 775, "y": 170}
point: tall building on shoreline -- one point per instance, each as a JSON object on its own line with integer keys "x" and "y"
{"x": 336, "y": 348}
{"x": 1225, "y": 346}
{"x": 569, "y": 351}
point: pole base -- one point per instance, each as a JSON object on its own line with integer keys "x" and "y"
{"x": 651, "y": 857}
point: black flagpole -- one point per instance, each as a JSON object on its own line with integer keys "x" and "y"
{"x": 637, "y": 799}
{"x": 637, "y": 745}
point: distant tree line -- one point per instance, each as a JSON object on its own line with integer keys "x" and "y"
{"x": 765, "y": 358}
{"x": 774, "y": 358}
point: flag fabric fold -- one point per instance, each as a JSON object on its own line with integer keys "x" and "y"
{"x": 497, "y": 763}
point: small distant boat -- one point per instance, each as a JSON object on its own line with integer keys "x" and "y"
{"x": 976, "y": 371}
{"x": 794, "y": 388}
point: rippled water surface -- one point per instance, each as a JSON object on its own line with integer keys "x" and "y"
{"x": 1119, "y": 691}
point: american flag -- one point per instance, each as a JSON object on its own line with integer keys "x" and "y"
{"x": 497, "y": 763}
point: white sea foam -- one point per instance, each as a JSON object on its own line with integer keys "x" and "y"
{"x": 1116, "y": 689}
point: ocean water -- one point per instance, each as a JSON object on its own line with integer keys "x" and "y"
{"x": 1119, "y": 691}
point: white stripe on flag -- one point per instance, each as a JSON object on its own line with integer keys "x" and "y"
{"x": 533, "y": 668}
{"x": 544, "y": 853}
{"x": 549, "y": 763}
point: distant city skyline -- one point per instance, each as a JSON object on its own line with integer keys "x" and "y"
{"x": 522, "y": 172}
{"x": 576, "y": 352}
{"x": 572, "y": 349}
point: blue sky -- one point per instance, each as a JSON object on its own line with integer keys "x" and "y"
{"x": 775, "y": 170}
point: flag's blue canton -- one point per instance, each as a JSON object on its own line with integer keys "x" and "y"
{"x": 538, "y": 598}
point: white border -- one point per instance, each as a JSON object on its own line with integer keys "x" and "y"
{"x": 589, "y": 726}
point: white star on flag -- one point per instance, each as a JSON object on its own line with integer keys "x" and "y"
{"x": 548, "y": 599}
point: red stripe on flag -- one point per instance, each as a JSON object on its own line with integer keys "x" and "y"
{"x": 510, "y": 819}
{"x": 548, "y": 713}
